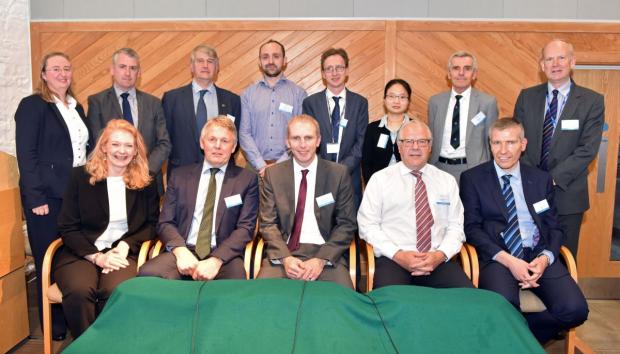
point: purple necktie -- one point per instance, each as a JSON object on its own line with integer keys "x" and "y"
{"x": 293, "y": 242}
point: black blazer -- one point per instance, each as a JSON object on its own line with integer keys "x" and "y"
{"x": 181, "y": 122}
{"x": 44, "y": 152}
{"x": 375, "y": 158}
{"x": 85, "y": 215}
{"x": 486, "y": 215}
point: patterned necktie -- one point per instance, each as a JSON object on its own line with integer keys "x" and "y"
{"x": 512, "y": 235}
{"x": 455, "y": 136}
{"x": 548, "y": 130}
{"x": 293, "y": 242}
{"x": 203, "y": 243}
{"x": 335, "y": 123}
{"x": 126, "y": 108}
{"x": 423, "y": 216}
{"x": 201, "y": 112}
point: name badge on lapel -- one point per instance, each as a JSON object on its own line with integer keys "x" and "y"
{"x": 541, "y": 207}
{"x": 287, "y": 108}
{"x": 343, "y": 122}
{"x": 231, "y": 117}
{"x": 570, "y": 124}
{"x": 383, "y": 139}
{"x": 478, "y": 118}
{"x": 233, "y": 201}
{"x": 333, "y": 148}
{"x": 325, "y": 199}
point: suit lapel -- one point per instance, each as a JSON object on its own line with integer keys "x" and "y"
{"x": 60, "y": 119}
{"x": 130, "y": 200}
{"x": 101, "y": 193}
{"x": 142, "y": 123}
{"x": 287, "y": 180}
{"x": 474, "y": 108}
{"x": 227, "y": 189}
{"x": 191, "y": 192}
{"x": 187, "y": 104}
{"x": 528, "y": 186}
{"x": 440, "y": 122}
{"x": 319, "y": 189}
{"x": 496, "y": 189}
{"x": 572, "y": 103}
{"x": 222, "y": 103}
{"x": 323, "y": 116}
{"x": 112, "y": 103}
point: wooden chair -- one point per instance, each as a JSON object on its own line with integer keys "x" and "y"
{"x": 531, "y": 303}
{"x": 247, "y": 255}
{"x": 462, "y": 257}
{"x": 258, "y": 258}
{"x": 51, "y": 293}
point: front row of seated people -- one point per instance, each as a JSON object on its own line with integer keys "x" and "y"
{"x": 411, "y": 213}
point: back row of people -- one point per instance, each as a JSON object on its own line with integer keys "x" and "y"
{"x": 267, "y": 106}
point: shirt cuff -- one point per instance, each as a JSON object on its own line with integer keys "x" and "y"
{"x": 549, "y": 255}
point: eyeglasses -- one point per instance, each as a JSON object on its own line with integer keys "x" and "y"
{"x": 422, "y": 143}
{"x": 394, "y": 97}
{"x": 58, "y": 69}
{"x": 331, "y": 69}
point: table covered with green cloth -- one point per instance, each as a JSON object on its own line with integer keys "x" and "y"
{"x": 272, "y": 316}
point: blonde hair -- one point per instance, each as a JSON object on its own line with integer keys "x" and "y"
{"x": 304, "y": 118}
{"x": 136, "y": 175}
{"x": 221, "y": 121}
{"x": 43, "y": 90}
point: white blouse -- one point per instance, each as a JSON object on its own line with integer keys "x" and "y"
{"x": 77, "y": 129}
{"x": 117, "y": 225}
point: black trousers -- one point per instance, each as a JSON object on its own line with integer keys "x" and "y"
{"x": 165, "y": 266}
{"x": 446, "y": 275}
{"x": 571, "y": 224}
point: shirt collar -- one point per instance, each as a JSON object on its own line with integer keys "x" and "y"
{"x": 383, "y": 122}
{"x": 281, "y": 80}
{"x": 119, "y": 91}
{"x": 515, "y": 171}
{"x": 311, "y": 168}
{"x": 404, "y": 170}
{"x": 206, "y": 166}
{"x": 564, "y": 89}
{"x": 197, "y": 88}
{"x": 465, "y": 94}
{"x": 71, "y": 102}
{"x": 342, "y": 94}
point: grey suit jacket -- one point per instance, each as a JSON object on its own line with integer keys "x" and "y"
{"x": 104, "y": 106}
{"x": 571, "y": 150}
{"x": 350, "y": 155}
{"x": 277, "y": 209}
{"x": 234, "y": 226}
{"x": 477, "y": 148}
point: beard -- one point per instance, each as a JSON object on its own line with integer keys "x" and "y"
{"x": 272, "y": 73}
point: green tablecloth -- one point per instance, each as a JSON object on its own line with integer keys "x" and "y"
{"x": 151, "y": 315}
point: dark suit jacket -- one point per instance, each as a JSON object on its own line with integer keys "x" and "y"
{"x": 181, "y": 122}
{"x": 571, "y": 150}
{"x": 477, "y": 148}
{"x": 234, "y": 226}
{"x": 375, "y": 158}
{"x": 85, "y": 215}
{"x": 486, "y": 215}
{"x": 104, "y": 106}
{"x": 44, "y": 152}
{"x": 356, "y": 112}
{"x": 277, "y": 209}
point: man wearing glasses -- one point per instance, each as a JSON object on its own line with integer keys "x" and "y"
{"x": 460, "y": 119}
{"x": 412, "y": 215}
{"x": 342, "y": 116}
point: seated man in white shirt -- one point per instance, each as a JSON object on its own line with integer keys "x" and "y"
{"x": 412, "y": 215}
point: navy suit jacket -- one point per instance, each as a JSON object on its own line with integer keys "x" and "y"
{"x": 486, "y": 215}
{"x": 234, "y": 226}
{"x": 181, "y": 122}
{"x": 571, "y": 150}
{"x": 352, "y": 141}
{"x": 44, "y": 152}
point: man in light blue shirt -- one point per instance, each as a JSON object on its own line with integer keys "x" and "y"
{"x": 266, "y": 107}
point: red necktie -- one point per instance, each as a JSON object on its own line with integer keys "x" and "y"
{"x": 293, "y": 242}
{"x": 423, "y": 216}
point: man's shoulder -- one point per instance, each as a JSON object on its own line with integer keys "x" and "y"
{"x": 438, "y": 96}
{"x": 478, "y": 170}
{"x": 147, "y": 97}
{"x": 99, "y": 96}
{"x": 315, "y": 98}
{"x": 536, "y": 89}
{"x": 584, "y": 91}
{"x": 331, "y": 167}
{"x": 483, "y": 96}
{"x": 355, "y": 96}
{"x": 184, "y": 171}
{"x": 534, "y": 172}
{"x": 240, "y": 173}
{"x": 224, "y": 92}
{"x": 178, "y": 90}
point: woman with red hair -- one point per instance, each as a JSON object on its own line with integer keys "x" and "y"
{"x": 109, "y": 209}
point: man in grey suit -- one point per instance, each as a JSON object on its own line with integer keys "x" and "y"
{"x": 205, "y": 238}
{"x": 563, "y": 125}
{"x": 460, "y": 119}
{"x": 307, "y": 212}
{"x": 123, "y": 100}
{"x": 342, "y": 116}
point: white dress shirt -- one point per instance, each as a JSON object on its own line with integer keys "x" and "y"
{"x": 203, "y": 189}
{"x": 133, "y": 102}
{"x": 210, "y": 99}
{"x": 117, "y": 226}
{"x": 447, "y": 150}
{"x": 387, "y": 217}
{"x": 310, "y": 232}
{"x": 330, "y": 109}
{"x": 77, "y": 129}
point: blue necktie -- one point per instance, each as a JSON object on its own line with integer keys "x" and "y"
{"x": 126, "y": 108}
{"x": 201, "y": 112}
{"x": 548, "y": 130}
{"x": 335, "y": 123}
{"x": 455, "y": 136}
{"x": 512, "y": 235}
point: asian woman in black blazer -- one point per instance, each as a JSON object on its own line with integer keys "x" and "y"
{"x": 51, "y": 137}
{"x": 110, "y": 208}
{"x": 380, "y": 150}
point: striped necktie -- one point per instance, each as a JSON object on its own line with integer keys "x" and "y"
{"x": 512, "y": 235}
{"x": 550, "y": 117}
{"x": 423, "y": 216}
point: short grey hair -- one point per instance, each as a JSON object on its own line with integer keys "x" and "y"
{"x": 463, "y": 54}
